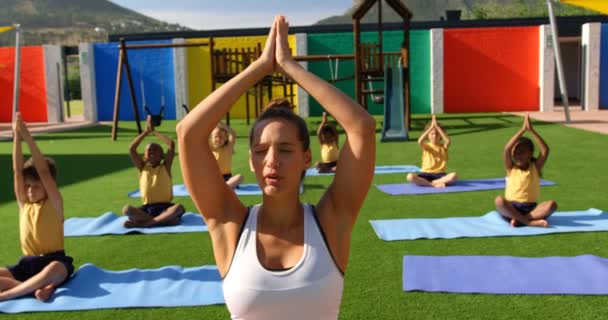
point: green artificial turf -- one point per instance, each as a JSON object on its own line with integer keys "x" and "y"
{"x": 95, "y": 175}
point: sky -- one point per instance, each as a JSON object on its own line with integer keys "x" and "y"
{"x": 235, "y": 14}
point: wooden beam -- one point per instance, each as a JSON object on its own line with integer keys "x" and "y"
{"x": 165, "y": 45}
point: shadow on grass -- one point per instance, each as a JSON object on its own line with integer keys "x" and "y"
{"x": 474, "y": 123}
{"x": 309, "y": 186}
{"x": 101, "y": 131}
{"x": 70, "y": 169}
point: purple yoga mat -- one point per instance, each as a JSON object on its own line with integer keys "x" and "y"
{"x": 580, "y": 275}
{"x": 458, "y": 186}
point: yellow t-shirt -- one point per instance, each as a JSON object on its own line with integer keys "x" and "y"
{"x": 523, "y": 185}
{"x": 434, "y": 158}
{"x": 223, "y": 156}
{"x": 155, "y": 184}
{"x": 40, "y": 229}
{"x": 329, "y": 152}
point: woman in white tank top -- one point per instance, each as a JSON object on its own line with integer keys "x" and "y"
{"x": 280, "y": 259}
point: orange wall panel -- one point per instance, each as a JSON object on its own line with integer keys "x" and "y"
{"x": 491, "y": 69}
{"x": 32, "y": 87}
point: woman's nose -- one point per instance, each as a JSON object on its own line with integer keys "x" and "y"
{"x": 272, "y": 159}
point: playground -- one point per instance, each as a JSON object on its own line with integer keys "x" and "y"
{"x": 402, "y": 77}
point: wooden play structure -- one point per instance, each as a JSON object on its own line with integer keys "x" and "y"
{"x": 226, "y": 63}
{"x": 371, "y": 62}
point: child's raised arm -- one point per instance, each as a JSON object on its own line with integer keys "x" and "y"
{"x": 42, "y": 167}
{"x": 170, "y": 155}
{"x": 231, "y": 136}
{"x": 18, "y": 184}
{"x": 506, "y": 155}
{"x": 446, "y": 139}
{"x": 135, "y": 156}
{"x": 544, "y": 148}
{"x": 321, "y": 125}
{"x": 425, "y": 135}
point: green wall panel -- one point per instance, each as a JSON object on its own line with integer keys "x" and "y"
{"x": 342, "y": 43}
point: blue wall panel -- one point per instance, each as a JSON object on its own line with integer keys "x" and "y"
{"x": 149, "y": 65}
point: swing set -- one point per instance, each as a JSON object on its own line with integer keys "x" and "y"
{"x": 123, "y": 63}
{"x": 156, "y": 118}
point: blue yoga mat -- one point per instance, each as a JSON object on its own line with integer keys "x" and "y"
{"x": 110, "y": 223}
{"x": 458, "y": 186}
{"x": 488, "y": 225}
{"x": 580, "y": 275}
{"x": 179, "y": 190}
{"x": 378, "y": 170}
{"x": 94, "y": 288}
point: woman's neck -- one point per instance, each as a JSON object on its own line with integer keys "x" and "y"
{"x": 281, "y": 212}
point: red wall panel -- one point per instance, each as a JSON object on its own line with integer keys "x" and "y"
{"x": 491, "y": 69}
{"x": 32, "y": 87}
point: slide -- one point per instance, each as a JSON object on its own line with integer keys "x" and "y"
{"x": 394, "y": 120}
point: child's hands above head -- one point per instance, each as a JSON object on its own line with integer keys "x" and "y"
{"x": 17, "y": 122}
{"x": 149, "y": 126}
{"x": 433, "y": 121}
{"x": 526, "y": 124}
{"x": 324, "y": 116}
{"x": 20, "y": 125}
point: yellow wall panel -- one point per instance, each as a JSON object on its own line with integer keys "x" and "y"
{"x": 199, "y": 71}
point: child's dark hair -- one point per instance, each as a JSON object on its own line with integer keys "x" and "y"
{"x": 525, "y": 143}
{"x": 328, "y": 130}
{"x": 29, "y": 170}
{"x": 282, "y": 109}
{"x": 155, "y": 145}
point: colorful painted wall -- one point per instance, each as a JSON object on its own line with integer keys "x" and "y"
{"x": 342, "y": 43}
{"x": 32, "y": 87}
{"x": 199, "y": 70}
{"x": 604, "y": 68}
{"x": 491, "y": 69}
{"x": 150, "y": 68}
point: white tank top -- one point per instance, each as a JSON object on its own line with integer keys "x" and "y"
{"x": 311, "y": 289}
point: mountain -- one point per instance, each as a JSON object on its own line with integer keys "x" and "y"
{"x": 433, "y": 10}
{"x": 69, "y": 22}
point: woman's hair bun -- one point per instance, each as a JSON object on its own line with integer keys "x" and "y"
{"x": 280, "y": 103}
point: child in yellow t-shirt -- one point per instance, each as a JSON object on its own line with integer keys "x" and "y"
{"x": 45, "y": 266}
{"x": 222, "y": 142}
{"x": 519, "y": 205}
{"x": 434, "y": 158}
{"x": 330, "y": 148}
{"x": 155, "y": 183}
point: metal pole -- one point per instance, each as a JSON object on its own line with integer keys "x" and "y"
{"x": 558, "y": 61}
{"x": 16, "y": 75}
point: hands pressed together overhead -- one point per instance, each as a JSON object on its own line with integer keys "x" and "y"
{"x": 276, "y": 54}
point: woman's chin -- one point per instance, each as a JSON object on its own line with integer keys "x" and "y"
{"x": 271, "y": 190}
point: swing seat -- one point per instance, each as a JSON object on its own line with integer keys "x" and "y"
{"x": 157, "y": 119}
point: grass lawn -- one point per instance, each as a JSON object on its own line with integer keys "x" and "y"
{"x": 95, "y": 175}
